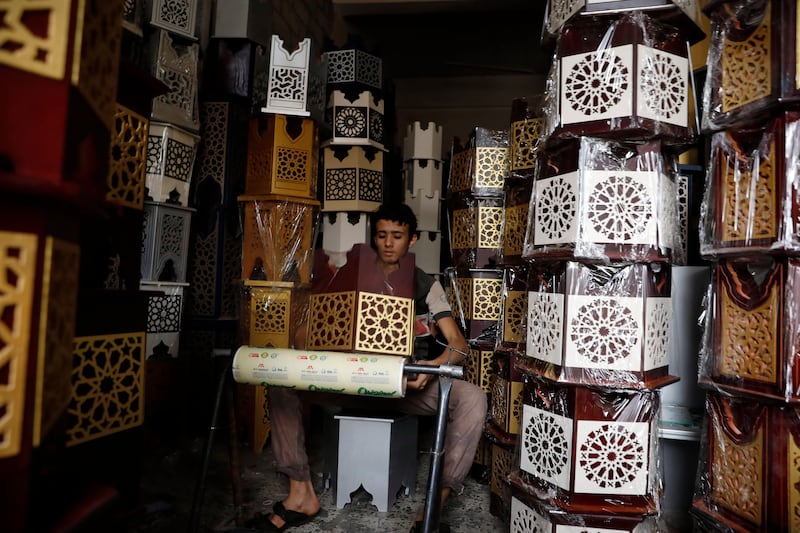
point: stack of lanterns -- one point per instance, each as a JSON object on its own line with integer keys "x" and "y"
{"x": 352, "y": 155}
{"x": 600, "y": 242}
{"x": 748, "y": 477}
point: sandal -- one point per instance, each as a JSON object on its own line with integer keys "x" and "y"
{"x": 290, "y": 519}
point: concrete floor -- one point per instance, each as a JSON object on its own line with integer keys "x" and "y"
{"x": 172, "y": 467}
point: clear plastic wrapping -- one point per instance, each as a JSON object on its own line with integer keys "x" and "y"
{"x": 750, "y": 204}
{"x": 527, "y": 514}
{"x": 599, "y": 325}
{"x": 278, "y": 238}
{"x": 683, "y": 14}
{"x": 479, "y": 166}
{"x": 516, "y": 202}
{"x": 748, "y": 474}
{"x": 271, "y": 312}
{"x": 476, "y": 301}
{"x": 751, "y": 60}
{"x": 588, "y": 450}
{"x": 476, "y": 230}
{"x": 511, "y": 327}
{"x": 627, "y": 78}
{"x": 601, "y": 200}
{"x": 751, "y": 329}
{"x": 526, "y": 130}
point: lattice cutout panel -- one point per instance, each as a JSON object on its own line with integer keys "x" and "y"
{"x": 581, "y": 450}
{"x": 384, "y": 324}
{"x": 524, "y": 137}
{"x": 203, "y": 272}
{"x": 506, "y": 404}
{"x": 288, "y": 78}
{"x": 612, "y": 458}
{"x": 166, "y": 242}
{"x": 270, "y": 316}
{"x": 612, "y": 333}
{"x": 515, "y": 315}
{"x": 37, "y": 49}
{"x": 477, "y": 232}
{"x": 604, "y": 333}
{"x": 526, "y": 520}
{"x": 545, "y": 334}
{"x": 737, "y": 469}
{"x": 176, "y": 67}
{"x": 354, "y": 66}
{"x": 171, "y": 154}
{"x": 353, "y": 183}
{"x": 750, "y": 351}
{"x": 100, "y": 39}
{"x": 793, "y": 481}
{"x": 749, "y": 199}
{"x": 746, "y": 66}
{"x": 478, "y": 369}
{"x": 214, "y": 120}
{"x": 108, "y": 382}
{"x": 461, "y": 170}
{"x": 561, "y": 11}
{"x": 57, "y": 328}
{"x": 164, "y": 313}
{"x": 597, "y": 85}
{"x": 281, "y": 156}
{"x": 620, "y": 207}
{"x": 128, "y": 157}
{"x": 514, "y": 227}
{"x": 18, "y": 258}
{"x": 331, "y": 321}
{"x": 491, "y": 167}
{"x": 177, "y": 16}
{"x": 231, "y": 266}
{"x": 546, "y": 445}
{"x": 490, "y": 227}
{"x": 486, "y": 299}
{"x": 752, "y": 471}
{"x": 502, "y": 465}
{"x": 556, "y": 212}
{"x": 463, "y": 229}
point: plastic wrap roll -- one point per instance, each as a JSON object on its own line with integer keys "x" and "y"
{"x": 320, "y": 371}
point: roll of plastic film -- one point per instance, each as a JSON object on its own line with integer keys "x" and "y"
{"x": 321, "y": 371}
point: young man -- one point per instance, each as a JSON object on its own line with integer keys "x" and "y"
{"x": 394, "y": 229}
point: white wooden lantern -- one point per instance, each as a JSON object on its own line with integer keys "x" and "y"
{"x": 288, "y": 78}
{"x": 422, "y": 142}
{"x": 164, "y": 314}
{"x": 356, "y": 119}
{"x": 176, "y": 16}
{"x": 423, "y": 174}
{"x": 175, "y": 65}
{"x": 342, "y": 230}
{"x": 354, "y": 67}
{"x": 353, "y": 178}
{"x": 166, "y": 242}
{"x": 171, "y": 153}
{"x": 427, "y": 207}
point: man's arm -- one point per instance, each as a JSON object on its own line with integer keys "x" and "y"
{"x": 449, "y": 328}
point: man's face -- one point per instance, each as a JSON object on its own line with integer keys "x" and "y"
{"x": 392, "y": 241}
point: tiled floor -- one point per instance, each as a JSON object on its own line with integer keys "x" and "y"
{"x": 172, "y": 469}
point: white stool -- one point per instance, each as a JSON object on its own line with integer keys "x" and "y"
{"x": 378, "y": 453}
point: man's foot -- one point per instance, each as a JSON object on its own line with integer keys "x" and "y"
{"x": 280, "y": 519}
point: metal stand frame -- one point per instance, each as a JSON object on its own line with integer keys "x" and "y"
{"x": 433, "y": 501}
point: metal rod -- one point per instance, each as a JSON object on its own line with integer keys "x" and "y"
{"x": 433, "y": 500}
{"x": 200, "y": 488}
